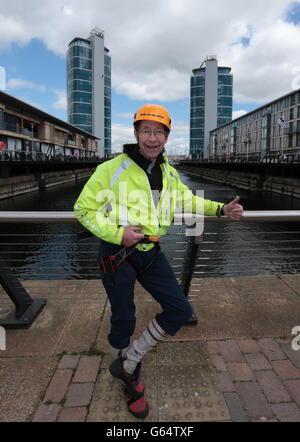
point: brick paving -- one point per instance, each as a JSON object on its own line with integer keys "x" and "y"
{"x": 258, "y": 380}
{"x": 70, "y": 391}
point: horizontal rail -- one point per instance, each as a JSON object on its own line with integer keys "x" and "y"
{"x": 69, "y": 217}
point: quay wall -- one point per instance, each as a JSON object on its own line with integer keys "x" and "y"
{"x": 20, "y": 184}
{"x": 283, "y": 185}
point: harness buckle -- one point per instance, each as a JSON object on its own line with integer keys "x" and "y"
{"x": 154, "y": 238}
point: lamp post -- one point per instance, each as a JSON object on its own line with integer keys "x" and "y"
{"x": 32, "y": 137}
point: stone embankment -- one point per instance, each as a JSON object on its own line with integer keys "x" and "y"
{"x": 246, "y": 181}
{"x": 21, "y": 184}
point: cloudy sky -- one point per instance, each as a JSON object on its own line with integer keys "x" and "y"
{"x": 154, "y": 46}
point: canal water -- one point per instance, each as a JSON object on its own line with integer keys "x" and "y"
{"x": 53, "y": 251}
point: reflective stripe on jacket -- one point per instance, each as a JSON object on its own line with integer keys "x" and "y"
{"x": 118, "y": 194}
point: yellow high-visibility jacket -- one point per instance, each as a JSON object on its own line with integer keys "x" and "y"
{"x": 118, "y": 194}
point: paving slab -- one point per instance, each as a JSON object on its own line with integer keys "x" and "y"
{"x": 292, "y": 281}
{"x": 190, "y": 393}
{"x": 249, "y": 306}
{"x": 81, "y": 329}
{"x": 41, "y": 338}
{"x": 22, "y": 383}
{"x": 188, "y": 385}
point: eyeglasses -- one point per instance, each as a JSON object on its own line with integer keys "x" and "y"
{"x": 158, "y": 133}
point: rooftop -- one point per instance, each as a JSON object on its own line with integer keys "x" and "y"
{"x": 24, "y": 108}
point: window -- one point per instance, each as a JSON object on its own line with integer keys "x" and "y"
{"x": 224, "y": 70}
{"x": 79, "y": 85}
{"x": 79, "y": 74}
{"x": 292, "y": 100}
{"x": 224, "y": 90}
{"x": 11, "y": 123}
{"x": 81, "y": 97}
{"x": 197, "y": 112}
{"x": 81, "y": 108}
{"x": 107, "y": 81}
{"x": 225, "y": 112}
{"x": 225, "y": 80}
{"x": 82, "y": 120}
{"x": 225, "y": 101}
{"x": 107, "y": 101}
{"x": 196, "y": 133}
{"x": 198, "y": 101}
{"x": 107, "y": 112}
{"x": 197, "y": 81}
{"x": 197, "y": 92}
{"x": 78, "y": 62}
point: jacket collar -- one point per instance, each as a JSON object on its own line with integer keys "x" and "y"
{"x": 132, "y": 150}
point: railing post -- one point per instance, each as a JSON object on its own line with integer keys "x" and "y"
{"x": 26, "y": 308}
{"x": 190, "y": 262}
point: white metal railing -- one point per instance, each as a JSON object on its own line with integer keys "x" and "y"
{"x": 69, "y": 217}
{"x": 21, "y": 155}
{"x": 226, "y": 247}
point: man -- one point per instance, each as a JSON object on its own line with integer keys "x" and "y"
{"x": 130, "y": 201}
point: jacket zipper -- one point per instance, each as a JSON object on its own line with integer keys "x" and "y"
{"x": 156, "y": 214}
{"x": 166, "y": 190}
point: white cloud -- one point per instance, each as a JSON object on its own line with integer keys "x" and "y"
{"x": 33, "y": 103}
{"x": 126, "y": 115}
{"x": 2, "y": 78}
{"x": 154, "y": 47}
{"x": 239, "y": 113}
{"x": 178, "y": 139}
{"x": 121, "y": 134}
{"x": 19, "y": 83}
{"x": 162, "y": 85}
{"x": 61, "y": 100}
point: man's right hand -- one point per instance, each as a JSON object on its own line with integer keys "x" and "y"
{"x": 131, "y": 235}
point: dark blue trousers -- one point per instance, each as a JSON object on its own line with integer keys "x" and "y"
{"x": 158, "y": 279}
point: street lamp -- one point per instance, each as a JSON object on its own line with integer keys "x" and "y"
{"x": 32, "y": 127}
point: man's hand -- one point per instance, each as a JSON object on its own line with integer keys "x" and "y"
{"x": 233, "y": 210}
{"x": 131, "y": 235}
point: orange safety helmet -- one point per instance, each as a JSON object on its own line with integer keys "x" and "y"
{"x": 153, "y": 112}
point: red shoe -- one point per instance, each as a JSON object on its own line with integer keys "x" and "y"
{"x": 138, "y": 407}
{"x": 134, "y": 387}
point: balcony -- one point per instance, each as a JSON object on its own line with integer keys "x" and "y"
{"x": 71, "y": 143}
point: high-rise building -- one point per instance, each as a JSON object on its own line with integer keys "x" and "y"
{"x": 211, "y": 103}
{"x": 89, "y": 87}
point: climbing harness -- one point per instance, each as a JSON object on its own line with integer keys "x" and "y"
{"x": 110, "y": 264}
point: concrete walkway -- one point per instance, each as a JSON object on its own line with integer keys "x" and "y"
{"x": 237, "y": 364}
